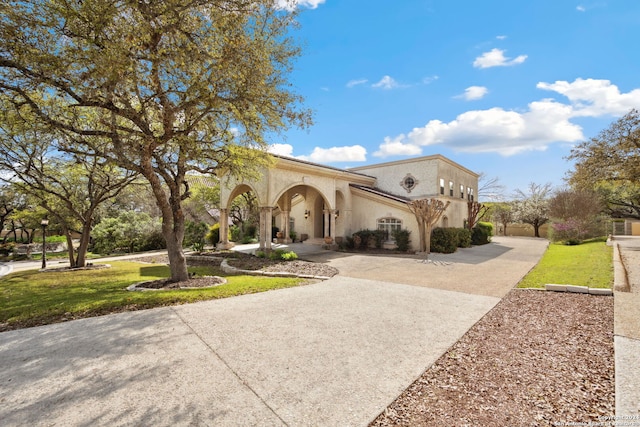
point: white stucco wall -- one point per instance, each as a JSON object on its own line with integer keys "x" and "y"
{"x": 427, "y": 172}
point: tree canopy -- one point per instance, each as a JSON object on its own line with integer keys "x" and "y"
{"x": 160, "y": 88}
{"x": 532, "y": 206}
{"x": 609, "y": 164}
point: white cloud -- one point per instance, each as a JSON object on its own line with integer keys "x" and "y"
{"x": 356, "y": 82}
{"x": 387, "y": 82}
{"x": 395, "y": 147}
{"x": 292, "y": 4}
{"x": 281, "y": 149}
{"x": 592, "y": 98}
{"x": 501, "y": 37}
{"x": 495, "y": 58}
{"x": 473, "y": 93}
{"x": 353, "y": 153}
{"x": 581, "y": 8}
{"x": 509, "y": 132}
{"x": 430, "y": 79}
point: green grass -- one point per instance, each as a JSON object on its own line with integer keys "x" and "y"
{"x": 31, "y": 298}
{"x": 589, "y": 264}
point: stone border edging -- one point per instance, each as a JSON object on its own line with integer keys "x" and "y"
{"x": 621, "y": 276}
{"x": 572, "y": 289}
{"x": 233, "y": 270}
{"x": 578, "y": 289}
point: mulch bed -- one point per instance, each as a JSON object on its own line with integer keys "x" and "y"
{"x": 537, "y": 359}
{"x": 236, "y": 259}
{"x": 194, "y": 282}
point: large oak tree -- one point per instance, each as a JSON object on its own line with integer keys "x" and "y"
{"x": 609, "y": 164}
{"x": 159, "y": 87}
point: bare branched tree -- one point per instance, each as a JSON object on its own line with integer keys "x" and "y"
{"x": 427, "y": 212}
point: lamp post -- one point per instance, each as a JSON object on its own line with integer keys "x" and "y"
{"x": 44, "y": 224}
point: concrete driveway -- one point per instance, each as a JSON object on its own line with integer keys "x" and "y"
{"x": 490, "y": 270}
{"x": 334, "y": 353}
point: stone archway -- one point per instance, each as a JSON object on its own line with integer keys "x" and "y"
{"x": 226, "y": 206}
{"x": 307, "y": 208}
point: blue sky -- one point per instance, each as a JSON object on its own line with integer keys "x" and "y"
{"x": 501, "y": 87}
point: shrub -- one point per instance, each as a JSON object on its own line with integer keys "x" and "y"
{"x": 250, "y": 230}
{"x": 213, "y": 235}
{"x": 487, "y": 225}
{"x": 464, "y": 237}
{"x": 363, "y": 239}
{"x": 129, "y": 231}
{"x": 481, "y": 234}
{"x": 198, "y": 246}
{"x": 350, "y": 243}
{"x": 248, "y": 239}
{"x": 289, "y": 256}
{"x": 56, "y": 239}
{"x": 195, "y": 234}
{"x": 402, "y": 239}
{"x": 7, "y": 248}
{"x": 236, "y": 233}
{"x": 152, "y": 241}
{"x": 444, "y": 240}
{"x": 261, "y": 254}
{"x": 379, "y": 236}
{"x": 281, "y": 254}
{"x": 277, "y": 254}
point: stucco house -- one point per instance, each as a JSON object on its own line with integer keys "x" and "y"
{"x": 322, "y": 201}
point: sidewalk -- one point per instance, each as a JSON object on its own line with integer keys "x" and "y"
{"x": 627, "y": 328}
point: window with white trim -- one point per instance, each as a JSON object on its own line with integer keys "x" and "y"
{"x": 389, "y": 225}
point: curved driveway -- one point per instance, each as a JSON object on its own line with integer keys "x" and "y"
{"x": 334, "y": 353}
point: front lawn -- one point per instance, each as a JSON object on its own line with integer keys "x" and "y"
{"x": 589, "y": 264}
{"x": 31, "y": 298}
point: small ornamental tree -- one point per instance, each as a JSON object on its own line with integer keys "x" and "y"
{"x": 475, "y": 210}
{"x": 427, "y": 212}
{"x": 532, "y": 207}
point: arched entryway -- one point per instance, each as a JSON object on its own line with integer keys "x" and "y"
{"x": 302, "y": 211}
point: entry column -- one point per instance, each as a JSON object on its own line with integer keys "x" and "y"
{"x": 223, "y": 239}
{"x": 332, "y": 221}
{"x": 265, "y": 228}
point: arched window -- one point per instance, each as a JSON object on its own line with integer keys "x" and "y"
{"x": 389, "y": 225}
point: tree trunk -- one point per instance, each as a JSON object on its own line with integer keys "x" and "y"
{"x": 72, "y": 261}
{"x": 422, "y": 235}
{"x": 85, "y": 238}
{"x": 536, "y": 228}
{"x": 177, "y": 260}
{"x": 427, "y": 233}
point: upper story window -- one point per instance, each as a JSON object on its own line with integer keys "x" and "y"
{"x": 442, "y": 186}
{"x": 451, "y": 188}
{"x": 470, "y": 194}
{"x": 461, "y": 191}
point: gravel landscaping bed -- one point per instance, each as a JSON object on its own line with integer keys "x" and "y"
{"x": 537, "y": 359}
